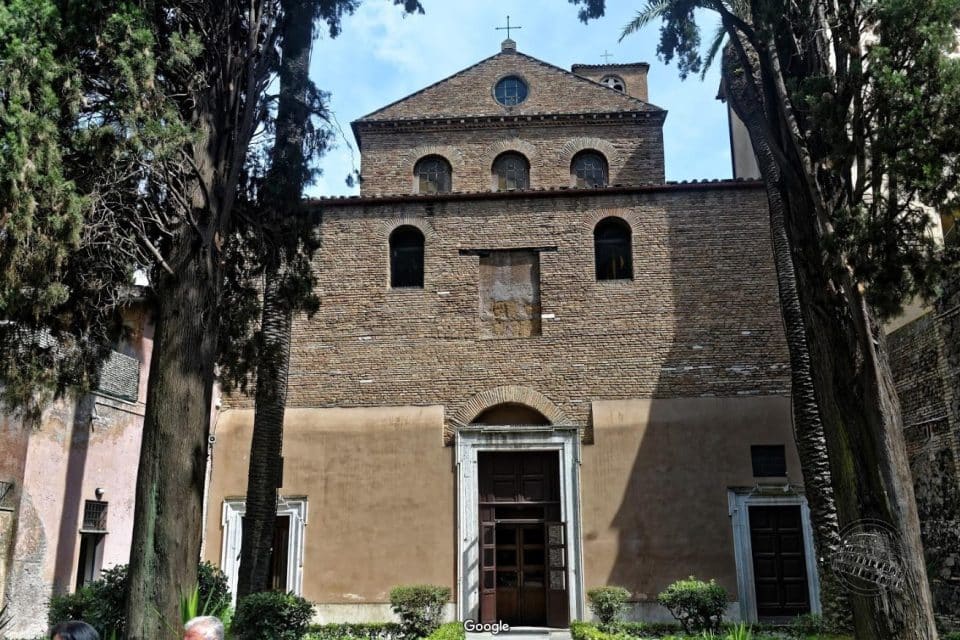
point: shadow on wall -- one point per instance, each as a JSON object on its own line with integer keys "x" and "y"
{"x": 721, "y": 384}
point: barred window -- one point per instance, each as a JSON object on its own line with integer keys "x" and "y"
{"x": 94, "y": 516}
{"x": 510, "y": 91}
{"x": 433, "y": 174}
{"x": 590, "y": 169}
{"x": 512, "y": 171}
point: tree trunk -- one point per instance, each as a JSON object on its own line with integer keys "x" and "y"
{"x": 808, "y": 428}
{"x": 282, "y": 194}
{"x": 858, "y": 406}
{"x": 165, "y": 549}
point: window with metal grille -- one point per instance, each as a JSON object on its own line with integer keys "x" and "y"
{"x": 6, "y": 494}
{"x": 612, "y": 249}
{"x": 512, "y": 171}
{"x": 769, "y": 461}
{"x": 94, "y": 515}
{"x": 433, "y": 175}
{"x": 406, "y": 257}
{"x": 614, "y": 82}
{"x": 510, "y": 91}
{"x": 590, "y": 169}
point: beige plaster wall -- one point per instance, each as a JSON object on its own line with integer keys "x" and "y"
{"x": 380, "y": 492}
{"x": 654, "y": 486}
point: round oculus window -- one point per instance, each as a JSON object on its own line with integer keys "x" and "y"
{"x": 510, "y": 91}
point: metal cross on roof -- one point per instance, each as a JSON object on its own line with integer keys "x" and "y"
{"x": 606, "y": 56}
{"x": 508, "y": 27}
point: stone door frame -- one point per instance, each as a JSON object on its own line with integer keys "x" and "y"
{"x": 472, "y": 439}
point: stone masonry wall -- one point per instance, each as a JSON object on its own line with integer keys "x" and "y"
{"x": 699, "y": 319}
{"x": 633, "y": 147}
{"x": 925, "y": 357}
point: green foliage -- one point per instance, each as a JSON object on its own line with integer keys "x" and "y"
{"x": 589, "y": 631}
{"x": 697, "y": 605}
{"x": 272, "y": 616}
{"x": 807, "y": 625}
{"x": 449, "y": 631}
{"x": 101, "y": 603}
{"x": 419, "y": 607}
{"x": 608, "y": 604}
{"x": 953, "y": 635}
{"x": 355, "y": 631}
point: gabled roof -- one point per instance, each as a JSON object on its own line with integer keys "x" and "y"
{"x": 469, "y": 93}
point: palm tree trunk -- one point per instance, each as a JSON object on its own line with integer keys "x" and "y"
{"x": 840, "y": 350}
{"x": 808, "y": 428}
{"x": 282, "y": 194}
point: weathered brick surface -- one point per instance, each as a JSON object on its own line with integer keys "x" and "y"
{"x": 633, "y": 147}
{"x": 634, "y": 75}
{"x": 700, "y": 318}
{"x": 470, "y": 93}
{"x": 925, "y": 357}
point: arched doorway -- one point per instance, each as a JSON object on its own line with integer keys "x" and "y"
{"x": 511, "y": 413}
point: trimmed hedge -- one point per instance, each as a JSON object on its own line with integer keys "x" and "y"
{"x": 272, "y": 616}
{"x": 355, "y": 631}
{"x": 608, "y": 604}
{"x": 449, "y": 631}
{"x": 697, "y": 605}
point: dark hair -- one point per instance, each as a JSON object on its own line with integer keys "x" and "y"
{"x": 74, "y": 630}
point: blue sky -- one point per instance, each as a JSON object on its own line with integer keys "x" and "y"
{"x": 382, "y": 56}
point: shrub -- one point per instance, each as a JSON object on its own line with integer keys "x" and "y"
{"x": 101, "y": 602}
{"x": 608, "y": 604}
{"x": 272, "y": 615}
{"x": 589, "y": 631}
{"x": 808, "y": 624}
{"x": 697, "y": 605}
{"x": 355, "y": 631}
{"x": 419, "y": 607}
{"x": 953, "y": 635}
{"x": 449, "y": 631}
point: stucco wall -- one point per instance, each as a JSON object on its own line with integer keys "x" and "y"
{"x": 380, "y": 492}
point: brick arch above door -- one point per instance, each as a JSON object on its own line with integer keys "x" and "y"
{"x": 509, "y": 394}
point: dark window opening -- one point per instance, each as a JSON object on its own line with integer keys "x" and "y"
{"x": 512, "y": 171}
{"x": 612, "y": 249}
{"x": 590, "y": 169}
{"x": 769, "y": 461}
{"x": 433, "y": 175}
{"x": 406, "y": 257}
{"x": 279, "y": 554}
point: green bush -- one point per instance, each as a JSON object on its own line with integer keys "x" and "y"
{"x": 608, "y": 604}
{"x": 953, "y": 635}
{"x": 449, "y": 631}
{"x": 272, "y": 616}
{"x": 101, "y": 602}
{"x": 589, "y": 631}
{"x": 697, "y": 605}
{"x": 419, "y": 607}
{"x": 355, "y": 631}
{"x": 808, "y": 624}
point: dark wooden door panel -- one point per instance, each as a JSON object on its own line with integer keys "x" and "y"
{"x": 779, "y": 562}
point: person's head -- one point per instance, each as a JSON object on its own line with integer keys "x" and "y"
{"x": 74, "y": 630}
{"x": 203, "y": 628}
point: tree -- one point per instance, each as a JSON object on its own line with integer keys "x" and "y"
{"x": 287, "y": 270}
{"x": 852, "y": 109}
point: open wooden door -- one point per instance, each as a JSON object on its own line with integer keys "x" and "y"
{"x": 488, "y": 566}
{"x": 558, "y": 599}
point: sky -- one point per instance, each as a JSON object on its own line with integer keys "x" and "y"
{"x": 382, "y": 55}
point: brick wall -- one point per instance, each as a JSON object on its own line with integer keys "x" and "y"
{"x": 700, "y": 318}
{"x": 925, "y": 357}
{"x": 632, "y": 146}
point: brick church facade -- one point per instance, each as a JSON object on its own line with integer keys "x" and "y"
{"x": 537, "y": 368}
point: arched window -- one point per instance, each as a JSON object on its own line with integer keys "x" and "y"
{"x": 589, "y": 169}
{"x": 406, "y": 257}
{"x": 512, "y": 171}
{"x": 614, "y": 82}
{"x": 611, "y": 248}
{"x": 433, "y": 174}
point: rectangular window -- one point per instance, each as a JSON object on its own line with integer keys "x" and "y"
{"x": 769, "y": 461}
{"x": 94, "y": 516}
{"x": 510, "y": 294}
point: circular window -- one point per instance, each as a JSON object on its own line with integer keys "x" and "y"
{"x": 510, "y": 91}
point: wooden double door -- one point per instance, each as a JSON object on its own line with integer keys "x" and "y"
{"x": 523, "y": 563}
{"x": 779, "y": 562}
